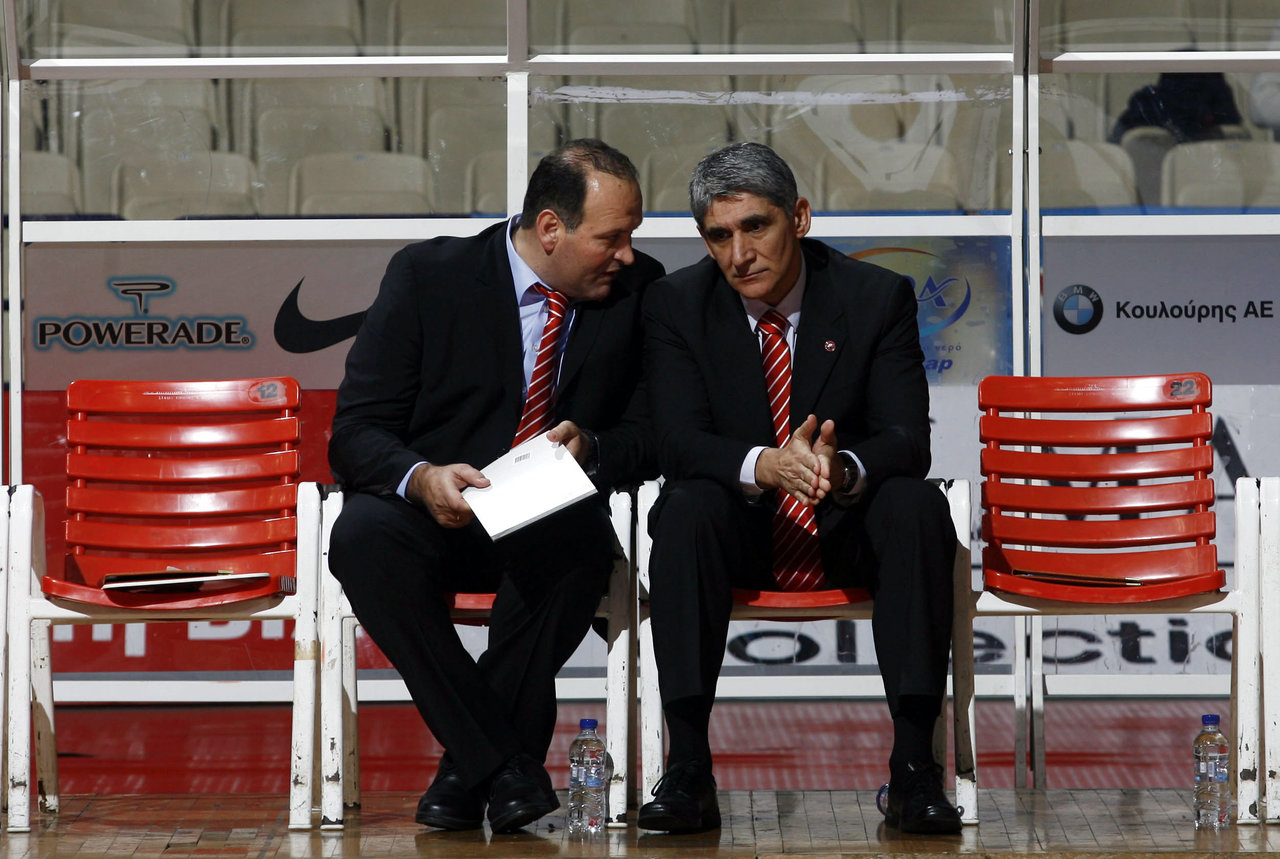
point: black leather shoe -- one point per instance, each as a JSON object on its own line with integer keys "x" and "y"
{"x": 684, "y": 800}
{"x": 520, "y": 793}
{"x": 917, "y": 803}
{"x": 448, "y": 803}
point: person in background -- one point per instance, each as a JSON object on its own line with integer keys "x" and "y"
{"x": 472, "y": 346}
{"x": 792, "y": 422}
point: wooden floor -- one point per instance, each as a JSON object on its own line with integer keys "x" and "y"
{"x": 1053, "y": 823}
{"x": 191, "y": 781}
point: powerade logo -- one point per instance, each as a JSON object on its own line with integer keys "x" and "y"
{"x": 1078, "y": 309}
{"x": 142, "y": 329}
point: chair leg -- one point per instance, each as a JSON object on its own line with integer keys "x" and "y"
{"x": 1036, "y": 653}
{"x": 1257, "y": 518}
{"x": 46, "y": 736}
{"x": 652, "y": 733}
{"x": 350, "y": 716}
{"x": 306, "y": 649}
{"x": 962, "y": 669}
{"x": 335, "y": 649}
{"x": 27, "y": 521}
{"x": 619, "y": 683}
{"x": 1021, "y": 697}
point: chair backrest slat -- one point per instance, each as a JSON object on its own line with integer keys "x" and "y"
{"x": 182, "y": 538}
{"x": 1095, "y": 393}
{"x": 1036, "y": 465}
{"x": 182, "y": 436}
{"x": 172, "y": 398}
{"x": 136, "y": 469}
{"x": 1077, "y": 500}
{"x": 257, "y": 499}
{"x": 1165, "y": 429}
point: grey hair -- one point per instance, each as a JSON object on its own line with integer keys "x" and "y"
{"x": 742, "y": 168}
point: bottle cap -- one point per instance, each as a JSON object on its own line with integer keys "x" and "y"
{"x": 590, "y": 724}
{"x": 1209, "y": 719}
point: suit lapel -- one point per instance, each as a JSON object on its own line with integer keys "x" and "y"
{"x": 587, "y": 320}
{"x": 819, "y": 341}
{"x": 737, "y": 356}
{"x": 494, "y": 297}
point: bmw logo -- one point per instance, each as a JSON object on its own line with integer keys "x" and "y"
{"x": 1078, "y": 309}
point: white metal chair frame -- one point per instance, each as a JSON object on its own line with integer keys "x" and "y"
{"x": 29, "y": 613}
{"x": 651, "y": 725}
{"x": 340, "y": 755}
{"x": 1249, "y": 672}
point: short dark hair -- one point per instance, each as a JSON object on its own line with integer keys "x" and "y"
{"x": 559, "y": 182}
{"x": 742, "y": 168}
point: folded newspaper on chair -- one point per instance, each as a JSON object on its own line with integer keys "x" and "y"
{"x": 528, "y": 483}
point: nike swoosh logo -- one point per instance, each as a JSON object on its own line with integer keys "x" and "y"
{"x": 300, "y": 335}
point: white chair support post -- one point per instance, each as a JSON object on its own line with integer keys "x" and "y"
{"x": 1268, "y": 571}
{"x": 652, "y": 733}
{"x": 340, "y": 756}
{"x": 1241, "y": 602}
{"x": 30, "y": 613}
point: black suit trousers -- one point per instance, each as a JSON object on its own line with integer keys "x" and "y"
{"x": 396, "y": 564}
{"x": 898, "y": 542}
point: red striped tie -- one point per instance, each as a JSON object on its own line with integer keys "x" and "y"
{"x": 542, "y": 382}
{"x": 797, "y": 563}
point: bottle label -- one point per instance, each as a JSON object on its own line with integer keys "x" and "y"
{"x": 1212, "y": 767}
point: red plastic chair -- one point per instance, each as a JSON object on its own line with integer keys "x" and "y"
{"x": 183, "y": 503}
{"x": 793, "y": 607}
{"x": 1095, "y": 500}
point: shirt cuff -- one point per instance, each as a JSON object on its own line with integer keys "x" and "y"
{"x": 747, "y": 474}
{"x": 404, "y": 481}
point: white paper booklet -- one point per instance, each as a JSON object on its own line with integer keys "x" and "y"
{"x": 528, "y": 483}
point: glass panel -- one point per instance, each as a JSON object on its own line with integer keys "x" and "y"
{"x": 665, "y": 124}
{"x": 1134, "y": 25}
{"x": 768, "y": 26}
{"x": 264, "y": 147}
{"x": 1174, "y": 142}
{"x": 855, "y": 143}
{"x": 887, "y": 143}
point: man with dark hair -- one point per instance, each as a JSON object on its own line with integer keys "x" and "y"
{"x": 782, "y": 480}
{"x": 472, "y": 346}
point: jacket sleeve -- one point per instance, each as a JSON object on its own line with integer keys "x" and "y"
{"x": 688, "y": 444}
{"x": 368, "y": 449}
{"x": 896, "y": 412}
{"x": 627, "y": 447}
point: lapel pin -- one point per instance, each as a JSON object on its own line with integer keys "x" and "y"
{"x": 830, "y": 345}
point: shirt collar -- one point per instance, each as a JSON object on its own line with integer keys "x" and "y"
{"x": 789, "y": 306}
{"x": 521, "y": 275}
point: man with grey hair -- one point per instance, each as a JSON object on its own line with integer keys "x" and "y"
{"x": 790, "y": 475}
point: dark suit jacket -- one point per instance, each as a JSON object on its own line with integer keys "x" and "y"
{"x": 857, "y": 361}
{"x": 435, "y": 372}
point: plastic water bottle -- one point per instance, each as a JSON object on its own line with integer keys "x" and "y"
{"x": 1213, "y": 803}
{"x": 587, "y": 781}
